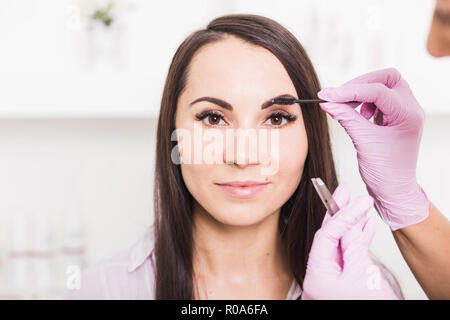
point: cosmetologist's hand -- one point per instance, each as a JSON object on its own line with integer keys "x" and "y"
{"x": 339, "y": 265}
{"x": 387, "y": 148}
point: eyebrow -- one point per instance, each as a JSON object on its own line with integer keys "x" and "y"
{"x": 228, "y": 106}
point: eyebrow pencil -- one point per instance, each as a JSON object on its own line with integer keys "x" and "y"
{"x": 291, "y": 101}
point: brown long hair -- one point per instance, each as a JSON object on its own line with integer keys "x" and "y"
{"x": 173, "y": 203}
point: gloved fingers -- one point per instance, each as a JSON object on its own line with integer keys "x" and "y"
{"x": 378, "y": 117}
{"x": 354, "y": 105}
{"x": 353, "y": 234}
{"x": 326, "y": 246}
{"x": 376, "y": 93}
{"x": 347, "y": 116}
{"x": 355, "y": 245}
{"x": 390, "y": 77}
{"x": 369, "y": 230}
{"x": 342, "y": 197}
{"x": 363, "y": 231}
{"x": 346, "y": 217}
{"x": 368, "y": 110}
{"x": 325, "y": 252}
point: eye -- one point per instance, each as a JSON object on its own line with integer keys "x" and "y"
{"x": 279, "y": 119}
{"x": 213, "y": 118}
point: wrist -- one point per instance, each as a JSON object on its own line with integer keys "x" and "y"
{"x": 403, "y": 210}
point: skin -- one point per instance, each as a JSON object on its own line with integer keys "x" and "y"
{"x": 438, "y": 42}
{"x": 426, "y": 248}
{"x": 237, "y": 250}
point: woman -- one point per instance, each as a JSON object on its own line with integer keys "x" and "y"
{"x": 214, "y": 239}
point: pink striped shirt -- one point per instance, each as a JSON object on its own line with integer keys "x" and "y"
{"x": 130, "y": 274}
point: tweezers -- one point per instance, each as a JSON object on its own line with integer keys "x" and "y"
{"x": 325, "y": 196}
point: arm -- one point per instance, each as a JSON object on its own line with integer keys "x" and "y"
{"x": 427, "y": 255}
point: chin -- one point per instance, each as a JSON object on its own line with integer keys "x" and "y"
{"x": 241, "y": 217}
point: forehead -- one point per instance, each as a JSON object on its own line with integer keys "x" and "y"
{"x": 234, "y": 67}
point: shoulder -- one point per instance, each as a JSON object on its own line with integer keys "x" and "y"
{"x": 128, "y": 274}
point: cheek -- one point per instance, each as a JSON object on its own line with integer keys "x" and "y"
{"x": 293, "y": 153}
{"x": 198, "y": 179}
{"x": 195, "y": 174}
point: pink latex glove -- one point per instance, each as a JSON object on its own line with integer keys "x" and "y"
{"x": 339, "y": 265}
{"x": 387, "y": 148}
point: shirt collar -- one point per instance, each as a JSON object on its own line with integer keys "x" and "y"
{"x": 142, "y": 249}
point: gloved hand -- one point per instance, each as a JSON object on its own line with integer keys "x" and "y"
{"x": 387, "y": 148}
{"x": 339, "y": 265}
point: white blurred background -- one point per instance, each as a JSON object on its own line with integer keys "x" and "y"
{"x": 79, "y": 101}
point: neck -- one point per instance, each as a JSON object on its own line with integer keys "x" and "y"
{"x": 240, "y": 255}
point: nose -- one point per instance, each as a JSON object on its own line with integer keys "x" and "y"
{"x": 246, "y": 147}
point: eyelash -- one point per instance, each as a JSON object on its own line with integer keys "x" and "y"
{"x": 289, "y": 117}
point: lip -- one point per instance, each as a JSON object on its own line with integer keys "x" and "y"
{"x": 243, "y": 189}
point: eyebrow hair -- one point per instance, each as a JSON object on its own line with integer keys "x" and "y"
{"x": 228, "y": 106}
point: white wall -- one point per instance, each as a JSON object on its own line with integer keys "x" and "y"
{"x": 54, "y": 171}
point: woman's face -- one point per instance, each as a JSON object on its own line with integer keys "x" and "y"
{"x": 244, "y": 76}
